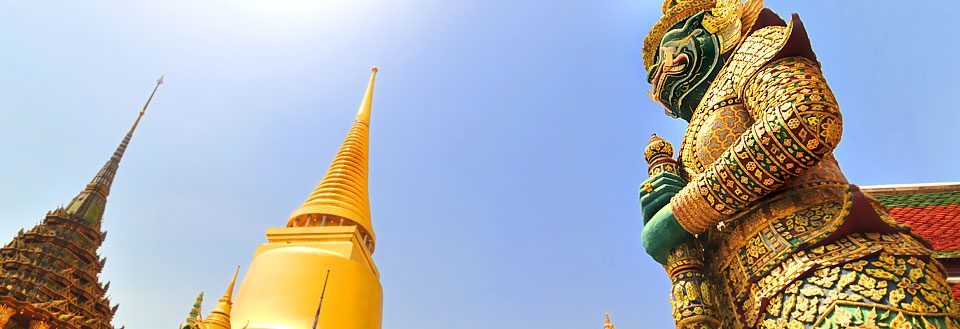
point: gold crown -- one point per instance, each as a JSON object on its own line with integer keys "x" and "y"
{"x": 728, "y": 19}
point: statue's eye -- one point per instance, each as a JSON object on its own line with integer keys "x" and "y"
{"x": 651, "y": 72}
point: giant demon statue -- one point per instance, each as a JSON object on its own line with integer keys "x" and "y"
{"x": 785, "y": 240}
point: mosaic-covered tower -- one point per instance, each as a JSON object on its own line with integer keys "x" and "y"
{"x": 49, "y": 274}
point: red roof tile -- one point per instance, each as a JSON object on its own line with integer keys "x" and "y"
{"x": 931, "y": 210}
{"x": 938, "y": 224}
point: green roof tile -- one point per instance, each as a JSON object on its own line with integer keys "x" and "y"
{"x": 919, "y": 199}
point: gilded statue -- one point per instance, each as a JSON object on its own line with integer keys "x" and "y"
{"x": 757, "y": 201}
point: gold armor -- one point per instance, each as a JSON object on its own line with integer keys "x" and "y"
{"x": 772, "y": 207}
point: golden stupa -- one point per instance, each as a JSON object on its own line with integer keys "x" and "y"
{"x": 316, "y": 272}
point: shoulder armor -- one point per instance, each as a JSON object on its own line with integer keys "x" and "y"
{"x": 768, "y": 42}
{"x": 797, "y": 43}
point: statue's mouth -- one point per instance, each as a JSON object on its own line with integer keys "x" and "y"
{"x": 678, "y": 65}
{"x": 672, "y": 65}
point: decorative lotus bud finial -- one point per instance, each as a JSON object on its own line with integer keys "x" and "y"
{"x": 657, "y": 146}
{"x": 659, "y": 156}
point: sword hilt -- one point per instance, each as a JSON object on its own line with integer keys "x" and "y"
{"x": 692, "y": 295}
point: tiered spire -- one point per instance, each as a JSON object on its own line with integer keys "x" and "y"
{"x": 606, "y": 321}
{"x": 49, "y": 272}
{"x": 89, "y": 204}
{"x": 219, "y": 318}
{"x": 343, "y": 191}
{"x": 194, "y": 313}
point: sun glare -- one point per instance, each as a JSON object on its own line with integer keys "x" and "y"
{"x": 299, "y": 9}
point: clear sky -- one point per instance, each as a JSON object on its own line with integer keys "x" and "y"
{"x": 506, "y": 138}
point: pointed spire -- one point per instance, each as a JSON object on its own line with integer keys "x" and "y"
{"x": 89, "y": 204}
{"x": 343, "y": 190}
{"x": 365, "y": 106}
{"x": 228, "y": 295}
{"x": 219, "y": 318}
{"x": 606, "y": 321}
{"x": 194, "y": 313}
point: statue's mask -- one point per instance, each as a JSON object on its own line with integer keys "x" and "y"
{"x": 687, "y": 61}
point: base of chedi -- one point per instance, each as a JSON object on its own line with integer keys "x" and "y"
{"x": 305, "y": 271}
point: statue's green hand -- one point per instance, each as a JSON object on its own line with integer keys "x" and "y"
{"x": 657, "y": 191}
{"x": 662, "y": 233}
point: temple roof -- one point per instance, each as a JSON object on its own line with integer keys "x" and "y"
{"x": 51, "y": 271}
{"x": 931, "y": 210}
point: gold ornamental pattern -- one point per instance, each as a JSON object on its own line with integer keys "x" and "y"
{"x": 766, "y": 196}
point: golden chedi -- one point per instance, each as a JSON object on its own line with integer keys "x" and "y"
{"x": 316, "y": 272}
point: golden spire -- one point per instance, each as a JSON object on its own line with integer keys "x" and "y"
{"x": 364, "y": 113}
{"x": 219, "y": 318}
{"x": 343, "y": 190}
{"x": 606, "y": 321}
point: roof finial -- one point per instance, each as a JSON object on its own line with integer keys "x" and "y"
{"x": 364, "y": 113}
{"x": 145, "y": 105}
{"x": 606, "y": 321}
{"x": 89, "y": 204}
{"x": 229, "y": 294}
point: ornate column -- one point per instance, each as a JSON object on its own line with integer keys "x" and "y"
{"x": 692, "y": 296}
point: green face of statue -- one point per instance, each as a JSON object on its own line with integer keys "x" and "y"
{"x": 688, "y": 61}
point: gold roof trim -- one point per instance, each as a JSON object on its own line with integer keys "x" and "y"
{"x": 911, "y": 188}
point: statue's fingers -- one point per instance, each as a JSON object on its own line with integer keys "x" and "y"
{"x": 671, "y": 175}
{"x": 647, "y": 186}
{"x": 655, "y": 205}
{"x": 668, "y": 180}
{"x": 663, "y": 189}
{"x": 659, "y": 180}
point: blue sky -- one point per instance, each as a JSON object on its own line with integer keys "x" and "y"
{"x": 506, "y": 138}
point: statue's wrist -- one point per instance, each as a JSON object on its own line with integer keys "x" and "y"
{"x": 692, "y": 210}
